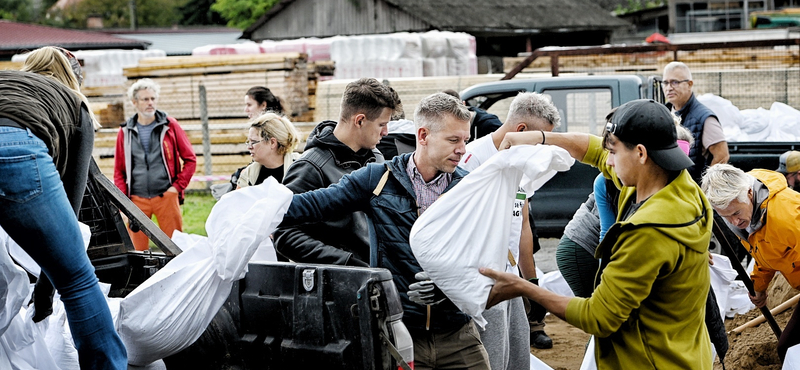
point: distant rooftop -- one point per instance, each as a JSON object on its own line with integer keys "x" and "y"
{"x": 181, "y": 41}
{"x": 21, "y": 37}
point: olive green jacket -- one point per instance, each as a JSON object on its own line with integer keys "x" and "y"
{"x": 648, "y": 309}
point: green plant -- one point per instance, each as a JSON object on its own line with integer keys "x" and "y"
{"x": 196, "y": 208}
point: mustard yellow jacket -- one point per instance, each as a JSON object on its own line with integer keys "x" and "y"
{"x": 774, "y": 244}
{"x": 648, "y": 309}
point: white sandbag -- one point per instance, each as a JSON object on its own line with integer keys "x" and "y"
{"x": 451, "y": 244}
{"x": 755, "y": 124}
{"x": 785, "y": 122}
{"x": 738, "y": 300}
{"x": 172, "y": 308}
{"x": 241, "y": 221}
{"x": 58, "y": 337}
{"x": 589, "y": 360}
{"x": 537, "y": 364}
{"x": 722, "y": 275}
{"x": 23, "y": 347}
{"x": 554, "y": 282}
{"x": 14, "y": 286}
{"x": 792, "y": 359}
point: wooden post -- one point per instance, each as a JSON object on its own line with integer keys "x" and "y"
{"x": 206, "y": 136}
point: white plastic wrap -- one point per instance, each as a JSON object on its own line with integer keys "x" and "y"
{"x": 451, "y": 244}
{"x": 778, "y": 123}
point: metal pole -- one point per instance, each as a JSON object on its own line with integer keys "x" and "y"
{"x": 206, "y": 136}
{"x": 132, "y": 6}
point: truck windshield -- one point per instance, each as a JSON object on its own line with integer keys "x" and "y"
{"x": 581, "y": 110}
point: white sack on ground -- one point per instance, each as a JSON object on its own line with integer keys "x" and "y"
{"x": 537, "y": 364}
{"x": 792, "y": 360}
{"x": 738, "y": 300}
{"x": 172, "y": 308}
{"x": 468, "y": 227}
{"x": 589, "y": 361}
{"x": 722, "y": 276}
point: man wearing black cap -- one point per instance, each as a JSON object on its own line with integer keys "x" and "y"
{"x": 790, "y": 168}
{"x": 648, "y": 308}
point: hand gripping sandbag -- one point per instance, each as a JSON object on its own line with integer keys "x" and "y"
{"x": 468, "y": 227}
{"x": 172, "y": 308}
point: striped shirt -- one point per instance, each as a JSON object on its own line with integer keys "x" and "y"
{"x": 428, "y": 192}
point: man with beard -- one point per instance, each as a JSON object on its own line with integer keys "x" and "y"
{"x": 153, "y": 162}
{"x": 790, "y": 168}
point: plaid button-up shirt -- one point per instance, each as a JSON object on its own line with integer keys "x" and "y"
{"x": 428, "y": 192}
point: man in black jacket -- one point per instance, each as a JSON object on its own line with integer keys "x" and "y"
{"x": 334, "y": 149}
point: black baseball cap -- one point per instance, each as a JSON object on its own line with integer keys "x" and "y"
{"x": 651, "y": 124}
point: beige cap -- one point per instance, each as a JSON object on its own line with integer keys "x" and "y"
{"x": 789, "y": 162}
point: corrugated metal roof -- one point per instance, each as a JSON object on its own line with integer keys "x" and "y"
{"x": 21, "y": 37}
{"x": 182, "y": 43}
{"x": 521, "y": 15}
{"x": 493, "y": 16}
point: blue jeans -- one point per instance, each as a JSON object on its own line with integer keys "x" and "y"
{"x": 35, "y": 212}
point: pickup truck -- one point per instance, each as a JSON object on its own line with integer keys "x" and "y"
{"x": 280, "y": 316}
{"x": 583, "y": 102}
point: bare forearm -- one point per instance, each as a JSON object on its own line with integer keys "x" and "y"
{"x": 719, "y": 153}
{"x": 554, "y": 303}
{"x": 575, "y": 143}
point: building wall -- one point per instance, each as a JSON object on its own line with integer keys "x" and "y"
{"x": 310, "y": 18}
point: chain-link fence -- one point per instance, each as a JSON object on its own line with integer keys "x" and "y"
{"x": 751, "y": 74}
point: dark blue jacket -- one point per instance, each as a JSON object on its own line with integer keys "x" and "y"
{"x": 693, "y": 116}
{"x": 391, "y": 214}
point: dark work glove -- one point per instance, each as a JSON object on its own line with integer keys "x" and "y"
{"x": 424, "y": 291}
{"x": 42, "y": 298}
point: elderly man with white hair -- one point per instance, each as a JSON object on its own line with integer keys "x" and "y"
{"x": 153, "y": 161}
{"x": 765, "y": 214}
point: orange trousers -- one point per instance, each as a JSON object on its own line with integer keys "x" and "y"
{"x": 168, "y": 213}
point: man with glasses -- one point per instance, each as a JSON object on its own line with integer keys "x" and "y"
{"x": 153, "y": 162}
{"x": 709, "y": 146}
{"x": 790, "y": 168}
{"x": 334, "y": 149}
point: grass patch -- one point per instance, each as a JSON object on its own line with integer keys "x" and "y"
{"x": 196, "y": 208}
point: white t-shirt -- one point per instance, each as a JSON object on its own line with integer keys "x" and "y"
{"x": 480, "y": 151}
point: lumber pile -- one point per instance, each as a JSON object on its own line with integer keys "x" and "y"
{"x": 226, "y": 79}
{"x": 708, "y": 59}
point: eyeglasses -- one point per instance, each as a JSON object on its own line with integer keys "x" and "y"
{"x": 611, "y": 127}
{"x": 250, "y": 143}
{"x": 673, "y": 83}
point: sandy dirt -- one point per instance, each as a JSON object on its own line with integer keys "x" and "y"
{"x": 569, "y": 345}
{"x": 753, "y": 349}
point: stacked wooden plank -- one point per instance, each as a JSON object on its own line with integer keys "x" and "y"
{"x": 226, "y": 79}
{"x": 709, "y": 59}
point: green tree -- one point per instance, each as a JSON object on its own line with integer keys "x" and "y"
{"x": 199, "y": 12}
{"x": 242, "y": 13}
{"x": 636, "y": 5}
{"x": 116, "y": 13}
{"x": 24, "y": 10}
